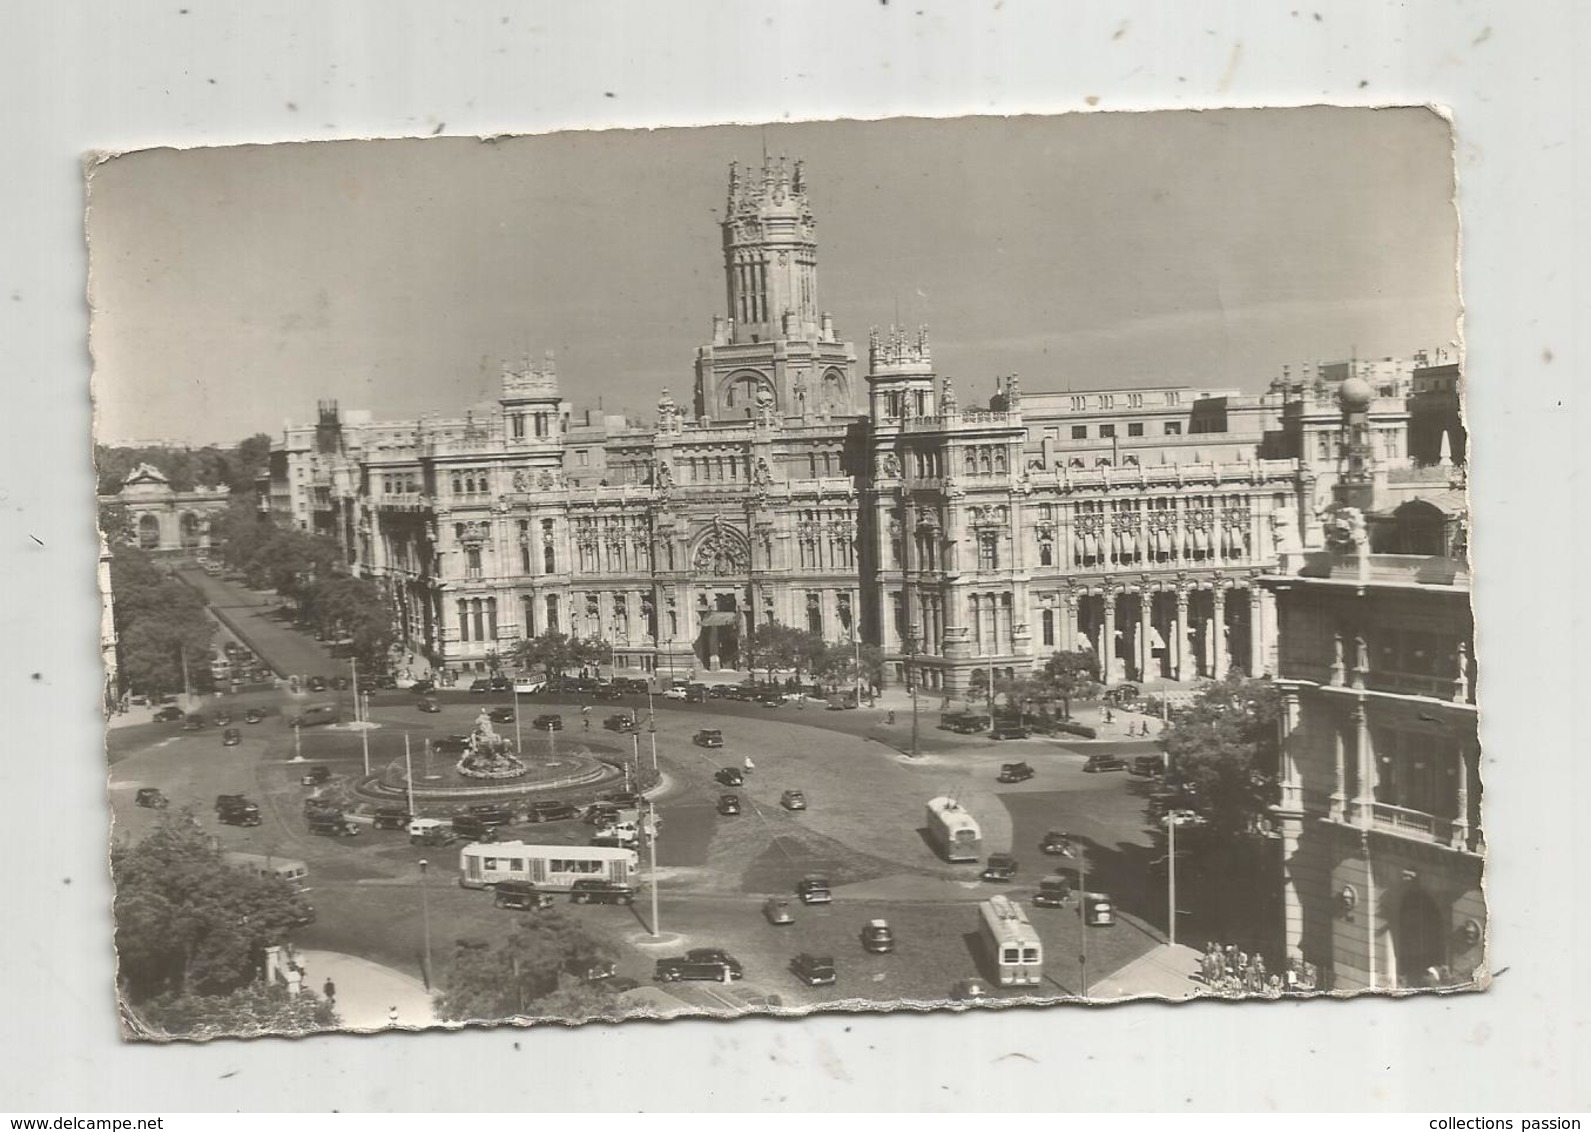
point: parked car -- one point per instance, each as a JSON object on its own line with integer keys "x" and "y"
{"x": 492, "y": 813}
{"x": 793, "y": 800}
{"x": 171, "y": 713}
{"x": 423, "y": 687}
{"x": 472, "y": 828}
{"x": 624, "y": 799}
{"x": 878, "y": 937}
{"x": 1098, "y": 910}
{"x": 1054, "y": 891}
{"x": 770, "y": 699}
{"x": 777, "y": 910}
{"x": 620, "y": 835}
{"x": 1182, "y": 818}
{"x": 242, "y": 812}
{"x": 151, "y": 797}
{"x": 548, "y": 723}
{"x": 729, "y": 804}
{"x": 451, "y": 744}
{"x": 814, "y": 970}
{"x": 1056, "y": 843}
{"x": 710, "y": 738}
{"x": 999, "y": 867}
{"x": 1146, "y": 766}
{"x": 1008, "y": 731}
{"x": 602, "y": 813}
{"x": 730, "y": 776}
{"x": 814, "y": 889}
{"x": 501, "y": 715}
{"x": 1097, "y": 764}
{"x": 500, "y": 684}
{"x": 1015, "y": 772}
{"x": 675, "y": 694}
{"x": 972, "y": 990}
{"x": 231, "y": 737}
{"x": 430, "y": 707}
{"x": 621, "y": 723}
{"x": 194, "y": 722}
{"x": 430, "y": 831}
{"x": 385, "y": 681}
{"x": 591, "y": 891}
{"x": 702, "y": 967}
{"x": 332, "y": 824}
{"x": 253, "y": 715}
{"x": 391, "y": 817}
{"x": 317, "y": 684}
{"x": 548, "y": 810}
{"x": 223, "y": 718}
{"x": 314, "y": 806}
{"x": 314, "y": 776}
{"x": 480, "y": 687}
{"x": 520, "y": 895}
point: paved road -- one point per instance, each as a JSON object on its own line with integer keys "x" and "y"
{"x": 252, "y": 616}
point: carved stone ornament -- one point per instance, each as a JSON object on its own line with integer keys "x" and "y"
{"x": 889, "y": 466}
{"x": 521, "y": 480}
{"x": 722, "y": 552}
{"x": 475, "y": 533}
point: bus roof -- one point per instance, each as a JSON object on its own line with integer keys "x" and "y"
{"x": 1006, "y": 919}
{"x": 510, "y": 848}
{"x": 271, "y": 861}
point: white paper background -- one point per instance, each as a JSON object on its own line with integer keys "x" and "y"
{"x": 79, "y": 76}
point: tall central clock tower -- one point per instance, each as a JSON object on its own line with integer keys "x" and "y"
{"x": 773, "y": 354}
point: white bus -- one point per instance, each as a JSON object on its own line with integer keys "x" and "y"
{"x": 954, "y": 831}
{"x": 295, "y": 873}
{"x": 1016, "y": 956}
{"x": 551, "y": 867}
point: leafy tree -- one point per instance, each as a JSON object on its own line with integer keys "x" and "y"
{"x": 1071, "y": 676}
{"x": 250, "y": 1011}
{"x": 157, "y": 620}
{"x": 186, "y": 923}
{"x": 555, "y": 653}
{"x": 485, "y": 983}
{"x": 1225, "y": 748}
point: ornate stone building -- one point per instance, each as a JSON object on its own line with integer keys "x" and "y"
{"x": 163, "y": 520}
{"x": 795, "y": 488}
{"x": 1381, "y": 797}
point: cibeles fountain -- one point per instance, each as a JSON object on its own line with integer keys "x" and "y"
{"x": 492, "y": 768}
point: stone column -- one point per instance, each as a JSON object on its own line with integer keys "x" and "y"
{"x": 1107, "y": 637}
{"x": 1339, "y": 791}
{"x": 1146, "y": 609}
{"x": 1461, "y": 824}
{"x": 1365, "y": 799}
{"x": 1219, "y": 663}
{"x": 1256, "y": 632}
{"x": 1179, "y": 636}
{"x": 1069, "y": 627}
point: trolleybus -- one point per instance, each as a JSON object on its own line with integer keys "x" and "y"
{"x": 295, "y": 873}
{"x": 1016, "y": 956}
{"x": 553, "y": 868}
{"x": 953, "y": 830}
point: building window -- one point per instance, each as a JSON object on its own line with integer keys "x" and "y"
{"x": 1173, "y": 428}
{"x": 1047, "y": 627}
{"x": 1135, "y": 400}
{"x": 1107, "y": 431}
{"x": 548, "y": 561}
{"x": 464, "y": 621}
{"x": 1046, "y": 554}
{"x": 472, "y": 562}
{"x": 1079, "y": 432}
{"x": 519, "y": 426}
{"x": 552, "y": 613}
{"x": 1079, "y": 404}
{"x": 1173, "y": 398}
{"x": 1107, "y": 401}
{"x": 988, "y": 550}
{"x": 582, "y": 458}
{"x": 815, "y": 613}
{"x": 1135, "y": 428}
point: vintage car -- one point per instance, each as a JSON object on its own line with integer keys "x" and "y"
{"x": 1015, "y": 772}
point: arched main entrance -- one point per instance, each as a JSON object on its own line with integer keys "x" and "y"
{"x": 148, "y": 532}
{"x": 1419, "y": 938}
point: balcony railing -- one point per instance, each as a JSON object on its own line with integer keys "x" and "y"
{"x": 1416, "y": 825}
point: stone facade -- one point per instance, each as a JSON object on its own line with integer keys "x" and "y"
{"x": 164, "y": 521}
{"x": 1380, "y": 815}
{"x": 801, "y": 488}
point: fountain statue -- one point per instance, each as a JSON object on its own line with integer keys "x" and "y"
{"x": 488, "y": 754}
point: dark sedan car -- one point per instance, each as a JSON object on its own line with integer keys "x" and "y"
{"x": 814, "y": 889}
{"x": 1015, "y": 772}
{"x": 151, "y": 797}
{"x": 317, "y": 684}
{"x": 548, "y": 723}
{"x": 391, "y": 818}
{"x": 480, "y": 687}
{"x": 1008, "y": 731}
{"x": 730, "y": 776}
{"x": 171, "y": 713}
{"x": 501, "y": 715}
{"x": 423, "y": 687}
{"x": 601, "y": 892}
{"x": 1056, "y": 843}
{"x": 231, "y": 737}
{"x": 253, "y": 715}
{"x": 492, "y": 814}
{"x": 814, "y": 970}
{"x": 547, "y": 810}
{"x": 621, "y": 723}
{"x": 1000, "y": 867}
{"x": 430, "y": 707}
{"x": 1097, "y": 764}
{"x": 729, "y": 804}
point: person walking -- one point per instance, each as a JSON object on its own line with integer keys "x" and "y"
{"x": 330, "y": 991}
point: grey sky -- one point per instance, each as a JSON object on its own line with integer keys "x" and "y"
{"x": 235, "y": 287}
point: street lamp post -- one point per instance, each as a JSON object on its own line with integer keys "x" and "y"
{"x": 364, "y": 742}
{"x": 911, "y": 682}
{"x": 651, "y": 845}
{"x": 425, "y": 915}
